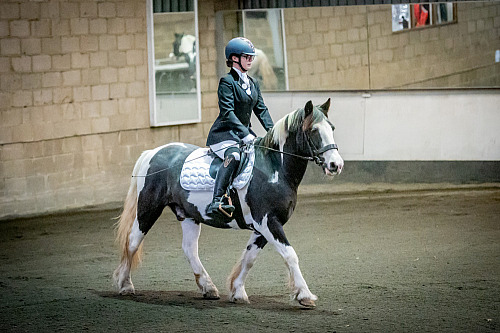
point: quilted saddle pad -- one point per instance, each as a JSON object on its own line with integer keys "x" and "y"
{"x": 195, "y": 174}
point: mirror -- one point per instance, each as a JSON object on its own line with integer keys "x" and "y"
{"x": 175, "y": 65}
{"x": 265, "y": 29}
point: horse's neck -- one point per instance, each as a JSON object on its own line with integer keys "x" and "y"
{"x": 290, "y": 169}
{"x": 293, "y": 170}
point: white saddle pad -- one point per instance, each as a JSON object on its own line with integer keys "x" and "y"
{"x": 195, "y": 171}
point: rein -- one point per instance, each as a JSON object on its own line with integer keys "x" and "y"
{"x": 308, "y": 158}
{"x": 315, "y": 153}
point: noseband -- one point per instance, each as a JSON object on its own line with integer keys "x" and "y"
{"x": 316, "y": 154}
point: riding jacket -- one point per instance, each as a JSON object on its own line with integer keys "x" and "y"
{"x": 235, "y": 109}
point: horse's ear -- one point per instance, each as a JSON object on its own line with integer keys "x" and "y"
{"x": 308, "y": 112}
{"x": 308, "y": 108}
{"x": 325, "y": 107}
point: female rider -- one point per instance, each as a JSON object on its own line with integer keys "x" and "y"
{"x": 239, "y": 95}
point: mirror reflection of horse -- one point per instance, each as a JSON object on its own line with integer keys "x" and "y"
{"x": 266, "y": 202}
{"x": 185, "y": 46}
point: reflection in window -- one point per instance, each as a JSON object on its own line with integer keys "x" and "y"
{"x": 175, "y": 53}
{"x": 406, "y": 16}
{"x": 265, "y": 29}
{"x": 173, "y": 62}
{"x": 444, "y": 13}
{"x": 421, "y": 15}
{"x": 400, "y": 17}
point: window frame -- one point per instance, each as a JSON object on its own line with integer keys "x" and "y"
{"x": 153, "y": 112}
{"x": 412, "y": 26}
{"x": 220, "y": 41}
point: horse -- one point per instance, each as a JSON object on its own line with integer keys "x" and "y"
{"x": 264, "y": 204}
{"x": 185, "y": 46}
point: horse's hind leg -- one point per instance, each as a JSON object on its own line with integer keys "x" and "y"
{"x": 137, "y": 218}
{"x": 190, "y": 235}
{"x": 236, "y": 280}
{"x": 131, "y": 254}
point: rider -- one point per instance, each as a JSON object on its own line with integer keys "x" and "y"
{"x": 239, "y": 95}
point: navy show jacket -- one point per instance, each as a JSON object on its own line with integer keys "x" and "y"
{"x": 235, "y": 109}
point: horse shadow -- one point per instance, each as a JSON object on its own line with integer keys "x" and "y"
{"x": 194, "y": 300}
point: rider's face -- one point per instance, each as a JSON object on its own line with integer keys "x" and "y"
{"x": 246, "y": 62}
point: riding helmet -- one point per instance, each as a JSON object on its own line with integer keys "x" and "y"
{"x": 239, "y": 46}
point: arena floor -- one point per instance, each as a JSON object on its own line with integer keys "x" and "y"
{"x": 385, "y": 259}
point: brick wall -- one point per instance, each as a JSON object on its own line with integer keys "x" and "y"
{"x": 74, "y": 112}
{"x": 327, "y": 48}
{"x": 453, "y": 55}
{"x": 355, "y": 48}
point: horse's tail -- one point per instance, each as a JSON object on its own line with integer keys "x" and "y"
{"x": 127, "y": 218}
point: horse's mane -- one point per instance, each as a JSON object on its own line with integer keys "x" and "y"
{"x": 290, "y": 123}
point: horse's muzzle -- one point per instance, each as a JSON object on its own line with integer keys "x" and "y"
{"x": 332, "y": 169}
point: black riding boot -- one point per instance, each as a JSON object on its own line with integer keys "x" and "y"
{"x": 220, "y": 205}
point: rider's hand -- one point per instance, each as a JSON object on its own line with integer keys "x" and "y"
{"x": 248, "y": 139}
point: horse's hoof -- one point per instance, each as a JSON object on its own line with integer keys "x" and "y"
{"x": 127, "y": 291}
{"x": 211, "y": 295}
{"x": 239, "y": 301}
{"x": 307, "y": 303}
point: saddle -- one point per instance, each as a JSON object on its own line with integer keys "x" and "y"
{"x": 201, "y": 166}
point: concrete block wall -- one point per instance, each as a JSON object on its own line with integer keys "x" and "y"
{"x": 460, "y": 54}
{"x": 327, "y": 48}
{"x": 354, "y": 48}
{"x": 74, "y": 113}
{"x": 71, "y": 69}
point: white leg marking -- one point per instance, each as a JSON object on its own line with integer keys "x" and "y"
{"x": 297, "y": 282}
{"x": 236, "y": 281}
{"x": 124, "y": 279}
{"x": 190, "y": 234}
{"x": 135, "y": 238}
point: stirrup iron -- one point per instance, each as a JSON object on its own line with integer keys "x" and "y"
{"x": 230, "y": 203}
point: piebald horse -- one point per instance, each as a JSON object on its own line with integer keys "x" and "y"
{"x": 264, "y": 204}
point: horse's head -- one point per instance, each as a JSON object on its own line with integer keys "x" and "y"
{"x": 318, "y": 138}
{"x": 177, "y": 43}
{"x": 307, "y": 134}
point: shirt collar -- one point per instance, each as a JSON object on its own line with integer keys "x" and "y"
{"x": 243, "y": 76}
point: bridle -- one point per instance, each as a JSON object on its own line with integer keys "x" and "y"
{"x": 315, "y": 153}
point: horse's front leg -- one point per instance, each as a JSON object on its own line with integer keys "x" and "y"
{"x": 272, "y": 229}
{"x": 236, "y": 281}
{"x": 190, "y": 235}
